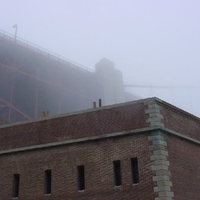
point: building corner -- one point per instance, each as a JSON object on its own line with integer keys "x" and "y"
{"x": 159, "y": 153}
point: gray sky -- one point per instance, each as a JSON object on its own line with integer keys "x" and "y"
{"x": 152, "y": 42}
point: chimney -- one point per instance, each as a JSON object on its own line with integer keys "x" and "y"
{"x": 94, "y": 104}
{"x": 100, "y": 103}
{"x": 1, "y": 122}
{"x": 45, "y": 113}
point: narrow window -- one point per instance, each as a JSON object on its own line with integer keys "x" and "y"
{"x": 81, "y": 177}
{"x": 117, "y": 172}
{"x": 47, "y": 181}
{"x": 134, "y": 168}
{"x": 16, "y": 185}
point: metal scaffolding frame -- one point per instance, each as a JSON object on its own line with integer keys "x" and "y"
{"x": 10, "y": 65}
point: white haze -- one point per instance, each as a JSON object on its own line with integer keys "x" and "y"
{"x": 153, "y": 42}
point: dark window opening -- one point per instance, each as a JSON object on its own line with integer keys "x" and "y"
{"x": 117, "y": 172}
{"x": 16, "y": 185}
{"x": 47, "y": 180}
{"x": 81, "y": 177}
{"x": 134, "y": 168}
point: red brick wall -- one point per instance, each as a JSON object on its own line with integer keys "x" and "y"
{"x": 97, "y": 156}
{"x": 185, "y": 168}
{"x": 180, "y": 121}
{"x": 87, "y": 124}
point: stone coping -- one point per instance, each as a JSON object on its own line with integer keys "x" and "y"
{"x": 92, "y": 138}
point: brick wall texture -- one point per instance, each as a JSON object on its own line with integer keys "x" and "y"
{"x": 92, "y": 123}
{"x": 184, "y": 167}
{"x": 163, "y": 138}
{"x": 96, "y": 156}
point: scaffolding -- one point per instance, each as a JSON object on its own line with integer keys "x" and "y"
{"x": 33, "y": 79}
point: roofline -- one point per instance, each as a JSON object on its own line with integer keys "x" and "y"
{"x": 145, "y": 101}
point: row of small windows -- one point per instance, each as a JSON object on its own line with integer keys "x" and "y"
{"x": 117, "y": 171}
{"x": 81, "y": 177}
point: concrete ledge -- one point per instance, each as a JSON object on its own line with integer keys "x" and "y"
{"x": 160, "y": 152}
{"x": 160, "y": 124}
{"x": 155, "y": 137}
{"x": 157, "y": 132}
{"x": 153, "y": 105}
{"x": 163, "y": 172}
{"x": 161, "y": 183}
{"x": 156, "y": 115}
{"x": 152, "y": 110}
{"x": 161, "y": 162}
{"x": 79, "y": 140}
{"x": 161, "y": 142}
{"x": 162, "y": 188}
{"x": 157, "y": 147}
{"x": 153, "y": 119}
{"x": 159, "y": 167}
{"x": 158, "y": 157}
{"x": 161, "y": 178}
{"x": 166, "y": 194}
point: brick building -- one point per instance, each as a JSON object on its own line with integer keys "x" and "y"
{"x": 144, "y": 150}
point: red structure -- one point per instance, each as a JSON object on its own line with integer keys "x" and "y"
{"x": 146, "y": 149}
{"x": 33, "y": 80}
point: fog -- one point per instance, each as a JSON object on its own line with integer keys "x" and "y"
{"x": 155, "y": 43}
